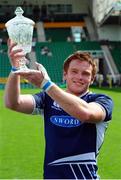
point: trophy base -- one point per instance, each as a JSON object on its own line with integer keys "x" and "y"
{"x": 22, "y": 69}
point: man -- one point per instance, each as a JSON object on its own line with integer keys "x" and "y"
{"x": 75, "y": 119}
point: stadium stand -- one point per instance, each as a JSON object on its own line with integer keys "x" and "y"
{"x": 53, "y": 64}
{"x": 4, "y": 63}
{"x": 57, "y": 34}
{"x": 116, "y": 54}
{"x": 57, "y": 26}
{"x": 88, "y": 45}
{"x": 93, "y": 47}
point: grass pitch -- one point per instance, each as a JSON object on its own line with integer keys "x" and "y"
{"x": 22, "y": 142}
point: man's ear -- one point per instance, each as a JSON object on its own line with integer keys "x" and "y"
{"x": 92, "y": 80}
{"x": 64, "y": 76}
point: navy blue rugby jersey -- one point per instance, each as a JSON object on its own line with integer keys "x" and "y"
{"x": 71, "y": 145}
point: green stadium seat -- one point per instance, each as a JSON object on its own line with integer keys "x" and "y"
{"x": 4, "y": 62}
{"x": 57, "y": 34}
{"x": 54, "y": 64}
{"x": 88, "y": 45}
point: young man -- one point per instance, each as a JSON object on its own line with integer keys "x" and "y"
{"x": 75, "y": 119}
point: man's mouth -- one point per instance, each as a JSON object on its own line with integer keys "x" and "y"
{"x": 78, "y": 83}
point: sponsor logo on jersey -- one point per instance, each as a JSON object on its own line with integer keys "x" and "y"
{"x": 56, "y": 106}
{"x": 65, "y": 121}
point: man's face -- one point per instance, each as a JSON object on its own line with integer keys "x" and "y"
{"x": 78, "y": 77}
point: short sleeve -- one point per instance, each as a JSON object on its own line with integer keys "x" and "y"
{"x": 39, "y": 100}
{"x": 107, "y": 103}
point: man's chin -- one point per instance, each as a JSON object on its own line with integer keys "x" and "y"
{"x": 78, "y": 93}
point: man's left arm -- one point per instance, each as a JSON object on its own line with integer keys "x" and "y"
{"x": 76, "y": 107}
{"x": 73, "y": 105}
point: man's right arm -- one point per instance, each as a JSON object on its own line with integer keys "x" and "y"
{"x": 13, "y": 98}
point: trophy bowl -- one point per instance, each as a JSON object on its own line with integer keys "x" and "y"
{"x": 20, "y": 31}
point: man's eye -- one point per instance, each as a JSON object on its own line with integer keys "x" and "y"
{"x": 86, "y": 74}
{"x": 74, "y": 71}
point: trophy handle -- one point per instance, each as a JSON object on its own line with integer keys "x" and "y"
{"x": 22, "y": 64}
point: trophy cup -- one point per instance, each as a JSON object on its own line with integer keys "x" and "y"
{"x": 20, "y": 31}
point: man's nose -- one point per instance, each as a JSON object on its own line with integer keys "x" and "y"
{"x": 80, "y": 76}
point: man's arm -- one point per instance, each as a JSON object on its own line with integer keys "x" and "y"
{"x": 13, "y": 99}
{"x": 76, "y": 107}
{"x": 73, "y": 105}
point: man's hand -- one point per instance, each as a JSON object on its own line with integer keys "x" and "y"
{"x": 14, "y": 55}
{"x": 37, "y": 77}
{"x": 46, "y": 78}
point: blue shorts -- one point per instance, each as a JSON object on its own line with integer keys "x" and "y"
{"x": 71, "y": 171}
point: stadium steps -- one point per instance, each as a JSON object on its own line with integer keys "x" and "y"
{"x": 116, "y": 53}
{"x": 115, "y": 49}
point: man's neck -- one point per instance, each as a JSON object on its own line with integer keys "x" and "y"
{"x": 79, "y": 95}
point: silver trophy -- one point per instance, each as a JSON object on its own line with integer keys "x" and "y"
{"x": 20, "y": 31}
